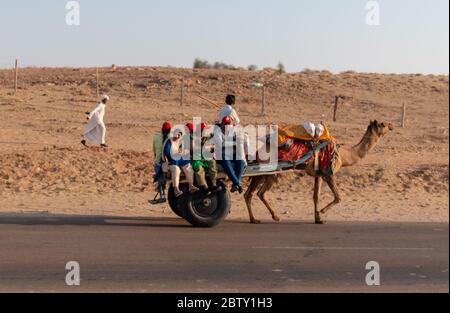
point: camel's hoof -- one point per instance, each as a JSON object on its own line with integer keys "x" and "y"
{"x": 257, "y": 222}
{"x": 318, "y": 219}
{"x": 276, "y": 218}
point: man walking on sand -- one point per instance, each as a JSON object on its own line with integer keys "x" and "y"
{"x": 95, "y": 131}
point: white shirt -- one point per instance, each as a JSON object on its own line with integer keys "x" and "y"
{"x": 228, "y": 110}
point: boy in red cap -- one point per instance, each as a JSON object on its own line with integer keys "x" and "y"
{"x": 203, "y": 167}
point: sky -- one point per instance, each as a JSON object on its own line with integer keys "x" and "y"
{"x": 413, "y": 35}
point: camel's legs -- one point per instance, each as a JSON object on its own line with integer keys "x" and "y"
{"x": 317, "y": 188}
{"x": 268, "y": 184}
{"x": 254, "y": 184}
{"x": 331, "y": 181}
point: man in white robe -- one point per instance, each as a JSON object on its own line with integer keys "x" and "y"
{"x": 95, "y": 131}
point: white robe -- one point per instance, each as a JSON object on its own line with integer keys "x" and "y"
{"x": 95, "y": 131}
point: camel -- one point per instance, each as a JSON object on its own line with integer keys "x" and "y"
{"x": 347, "y": 156}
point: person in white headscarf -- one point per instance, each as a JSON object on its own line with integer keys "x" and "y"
{"x": 95, "y": 131}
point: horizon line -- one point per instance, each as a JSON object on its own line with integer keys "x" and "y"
{"x": 259, "y": 70}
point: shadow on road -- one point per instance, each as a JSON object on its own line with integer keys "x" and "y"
{"x": 71, "y": 220}
{"x": 36, "y": 219}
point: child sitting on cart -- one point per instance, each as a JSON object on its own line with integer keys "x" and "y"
{"x": 173, "y": 147}
{"x": 203, "y": 167}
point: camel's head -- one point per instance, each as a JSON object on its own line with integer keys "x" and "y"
{"x": 380, "y": 129}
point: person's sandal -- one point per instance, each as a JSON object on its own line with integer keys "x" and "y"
{"x": 158, "y": 201}
{"x": 193, "y": 190}
{"x": 178, "y": 194}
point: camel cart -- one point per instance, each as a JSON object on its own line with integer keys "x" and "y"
{"x": 202, "y": 210}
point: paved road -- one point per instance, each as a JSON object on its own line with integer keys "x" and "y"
{"x": 154, "y": 255}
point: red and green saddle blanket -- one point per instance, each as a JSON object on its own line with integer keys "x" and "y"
{"x": 298, "y": 149}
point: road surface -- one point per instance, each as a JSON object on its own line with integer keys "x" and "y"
{"x": 167, "y": 255}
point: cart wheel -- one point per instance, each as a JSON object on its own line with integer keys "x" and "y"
{"x": 173, "y": 202}
{"x": 201, "y": 210}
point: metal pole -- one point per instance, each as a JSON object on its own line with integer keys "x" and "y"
{"x": 336, "y": 106}
{"x": 16, "y": 76}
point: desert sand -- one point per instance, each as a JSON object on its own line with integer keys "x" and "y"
{"x": 45, "y": 170}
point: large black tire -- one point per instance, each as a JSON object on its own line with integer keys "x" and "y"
{"x": 201, "y": 210}
{"x": 173, "y": 202}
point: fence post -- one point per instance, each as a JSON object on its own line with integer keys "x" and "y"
{"x": 97, "y": 79}
{"x": 404, "y": 116}
{"x": 336, "y": 106}
{"x": 263, "y": 105}
{"x": 16, "y": 76}
{"x": 182, "y": 93}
